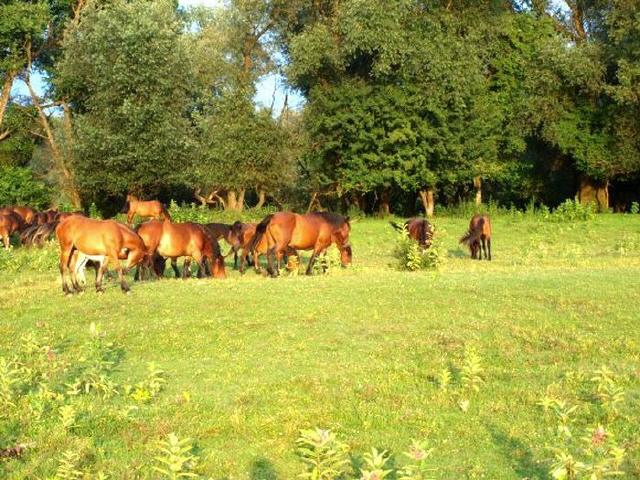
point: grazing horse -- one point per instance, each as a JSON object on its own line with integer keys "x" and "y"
{"x": 478, "y": 237}
{"x": 313, "y": 231}
{"x": 26, "y": 213}
{"x": 173, "y": 240}
{"x": 230, "y": 234}
{"x": 38, "y": 234}
{"x": 419, "y": 229}
{"x": 9, "y": 223}
{"x": 145, "y": 208}
{"x": 245, "y": 232}
{"x": 106, "y": 239}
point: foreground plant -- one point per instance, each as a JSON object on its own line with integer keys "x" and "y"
{"x": 325, "y": 457}
{"x": 417, "y": 468}
{"x": 374, "y": 468}
{"x": 175, "y": 459}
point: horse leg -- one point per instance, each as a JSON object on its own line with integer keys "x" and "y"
{"x": 174, "y": 265}
{"x": 489, "y": 247}
{"x": 130, "y": 216}
{"x": 65, "y": 254}
{"x": 235, "y": 258}
{"x": 113, "y": 257}
{"x": 483, "y": 248}
{"x": 99, "y": 275}
{"x": 5, "y": 240}
{"x": 186, "y": 268}
{"x": 201, "y": 261}
{"x": 314, "y": 255}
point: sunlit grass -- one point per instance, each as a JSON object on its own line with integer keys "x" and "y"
{"x": 250, "y": 360}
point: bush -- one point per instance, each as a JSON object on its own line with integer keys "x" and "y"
{"x": 412, "y": 256}
{"x": 19, "y": 187}
{"x": 204, "y": 214}
{"x": 572, "y": 210}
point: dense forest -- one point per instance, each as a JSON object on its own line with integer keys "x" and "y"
{"x": 409, "y": 103}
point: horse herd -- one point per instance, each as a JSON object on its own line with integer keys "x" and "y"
{"x": 86, "y": 241}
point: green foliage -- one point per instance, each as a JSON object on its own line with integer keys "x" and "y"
{"x": 418, "y": 467}
{"x": 572, "y": 210}
{"x": 375, "y": 463}
{"x": 19, "y": 187}
{"x": 21, "y": 259}
{"x": 411, "y": 256}
{"x": 17, "y": 149}
{"x": 175, "y": 458}
{"x": 471, "y": 373}
{"x": 635, "y": 208}
{"x": 126, "y": 68}
{"x": 596, "y": 454}
{"x": 324, "y": 455}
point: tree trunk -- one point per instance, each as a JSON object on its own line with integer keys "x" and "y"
{"x": 262, "y": 197}
{"x": 4, "y": 101}
{"x": 232, "y": 200}
{"x": 240, "y": 201}
{"x": 428, "y": 202}
{"x": 384, "y": 209}
{"x": 477, "y": 183}
{"x": 591, "y": 191}
{"x": 69, "y": 185}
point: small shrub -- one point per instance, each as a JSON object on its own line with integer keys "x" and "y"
{"x": 635, "y": 208}
{"x": 411, "y": 256}
{"x": 571, "y": 211}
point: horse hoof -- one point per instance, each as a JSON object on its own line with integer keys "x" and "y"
{"x": 100, "y": 292}
{"x": 127, "y": 292}
{"x": 81, "y": 292}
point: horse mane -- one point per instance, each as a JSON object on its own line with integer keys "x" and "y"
{"x": 333, "y": 219}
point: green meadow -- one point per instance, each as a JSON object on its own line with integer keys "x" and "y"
{"x": 373, "y": 353}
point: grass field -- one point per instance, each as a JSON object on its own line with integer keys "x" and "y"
{"x": 250, "y": 361}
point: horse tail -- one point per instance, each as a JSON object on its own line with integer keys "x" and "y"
{"x": 260, "y": 231}
{"x": 470, "y": 237}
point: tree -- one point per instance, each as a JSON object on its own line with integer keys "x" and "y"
{"x": 126, "y": 73}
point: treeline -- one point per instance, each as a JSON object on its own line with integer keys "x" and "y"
{"x": 409, "y": 102}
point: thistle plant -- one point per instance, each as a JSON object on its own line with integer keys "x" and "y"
{"x": 607, "y": 391}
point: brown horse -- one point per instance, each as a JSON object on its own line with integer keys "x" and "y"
{"x": 478, "y": 237}
{"x": 230, "y": 234}
{"x": 26, "y": 213}
{"x": 173, "y": 240}
{"x": 9, "y": 223}
{"x": 419, "y": 229}
{"x": 146, "y": 209}
{"x": 98, "y": 238}
{"x": 245, "y": 232}
{"x": 314, "y": 231}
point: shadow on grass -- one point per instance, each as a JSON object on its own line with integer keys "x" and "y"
{"x": 262, "y": 469}
{"x": 520, "y": 455}
{"x": 458, "y": 253}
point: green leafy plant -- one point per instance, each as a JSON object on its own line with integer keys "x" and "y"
{"x": 411, "y": 256}
{"x": 148, "y": 388}
{"x": 471, "y": 373}
{"x": 374, "y": 465}
{"x": 635, "y": 208}
{"x": 175, "y": 458}
{"x": 324, "y": 456}
{"x": 417, "y": 468}
{"x": 69, "y": 467}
